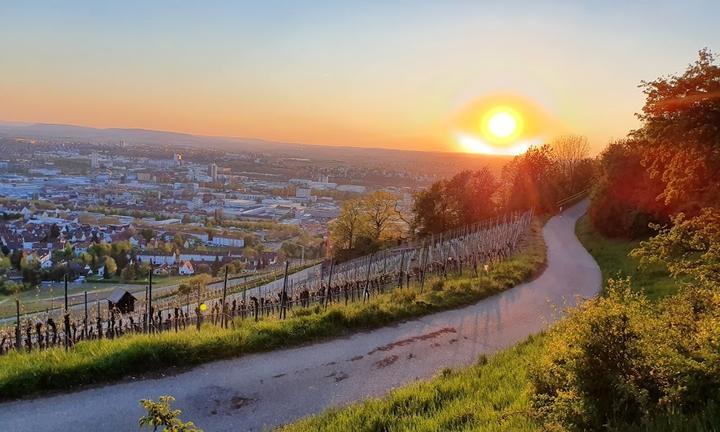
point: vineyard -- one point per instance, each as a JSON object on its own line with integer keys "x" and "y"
{"x": 471, "y": 249}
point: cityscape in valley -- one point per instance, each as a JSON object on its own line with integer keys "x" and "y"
{"x": 359, "y": 216}
{"x": 175, "y": 208}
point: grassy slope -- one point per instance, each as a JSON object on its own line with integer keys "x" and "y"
{"x": 612, "y": 256}
{"x": 23, "y": 374}
{"x": 486, "y": 397}
{"x": 492, "y": 396}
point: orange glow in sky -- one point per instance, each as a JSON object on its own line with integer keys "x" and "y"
{"x": 502, "y": 125}
{"x": 404, "y": 75}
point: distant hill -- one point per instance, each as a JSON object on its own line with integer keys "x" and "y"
{"x": 440, "y": 161}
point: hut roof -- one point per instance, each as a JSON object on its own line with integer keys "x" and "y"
{"x": 118, "y": 294}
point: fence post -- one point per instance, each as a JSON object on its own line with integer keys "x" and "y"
{"x": 17, "y": 327}
{"x": 145, "y": 313}
{"x": 366, "y": 290}
{"x": 244, "y": 298}
{"x": 402, "y": 261}
{"x": 283, "y": 296}
{"x": 85, "y": 321}
{"x": 329, "y": 289}
{"x": 99, "y": 321}
{"x": 67, "y": 316}
{"x": 151, "y": 319}
{"x": 198, "y": 312}
{"x": 223, "y": 319}
{"x": 423, "y": 263}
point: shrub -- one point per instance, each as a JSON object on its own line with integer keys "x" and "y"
{"x": 160, "y": 414}
{"x": 619, "y": 362}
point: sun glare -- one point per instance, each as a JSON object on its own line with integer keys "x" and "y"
{"x": 502, "y": 125}
{"x": 473, "y": 144}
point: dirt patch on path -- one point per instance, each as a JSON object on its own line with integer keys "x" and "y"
{"x": 387, "y": 361}
{"x": 414, "y": 339}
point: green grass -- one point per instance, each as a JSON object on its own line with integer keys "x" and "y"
{"x": 492, "y": 395}
{"x": 614, "y": 261}
{"x": 23, "y": 374}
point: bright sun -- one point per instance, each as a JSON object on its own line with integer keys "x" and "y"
{"x": 502, "y": 124}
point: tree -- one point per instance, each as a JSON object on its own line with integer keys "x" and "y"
{"x": 232, "y": 267}
{"x": 432, "y": 214}
{"x": 128, "y": 273}
{"x": 57, "y": 272}
{"x": 16, "y": 258}
{"x": 680, "y": 136}
{"x": 625, "y": 195}
{"x": 691, "y": 247}
{"x": 471, "y": 196}
{"x": 670, "y": 164}
{"x": 86, "y": 258}
{"x": 531, "y": 181}
{"x": 250, "y": 254}
{"x": 203, "y": 268}
{"x": 54, "y": 232}
{"x": 110, "y": 267}
{"x": 99, "y": 249}
{"x": 4, "y": 263}
{"x": 147, "y": 234}
{"x": 8, "y": 287}
{"x": 349, "y": 224}
{"x": 250, "y": 240}
{"x": 381, "y": 209}
{"x": 466, "y": 198}
{"x": 571, "y": 153}
{"x": 179, "y": 241}
{"x": 31, "y": 273}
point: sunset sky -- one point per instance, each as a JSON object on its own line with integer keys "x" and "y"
{"x": 394, "y": 74}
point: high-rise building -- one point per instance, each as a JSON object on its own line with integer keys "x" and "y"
{"x": 213, "y": 171}
{"x": 94, "y": 161}
{"x": 178, "y": 158}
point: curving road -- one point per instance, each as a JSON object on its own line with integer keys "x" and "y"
{"x": 264, "y": 390}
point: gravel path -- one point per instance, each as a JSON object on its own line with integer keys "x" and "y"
{"x": 264, "y": 390}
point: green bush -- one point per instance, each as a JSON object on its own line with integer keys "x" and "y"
{"x": 620, "y": 363}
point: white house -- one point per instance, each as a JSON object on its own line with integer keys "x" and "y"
{"x": 158, "y": 259}
{"x": 228, "y": 241}
{"x": 46, "y": 261}
{"x": 186, "y": 269}
{"x": 199, "y": 257}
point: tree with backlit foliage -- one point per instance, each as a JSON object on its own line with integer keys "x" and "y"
{"x": 670, "y": 164}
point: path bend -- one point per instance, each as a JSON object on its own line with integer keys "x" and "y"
{"x": 268, "y": 389}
